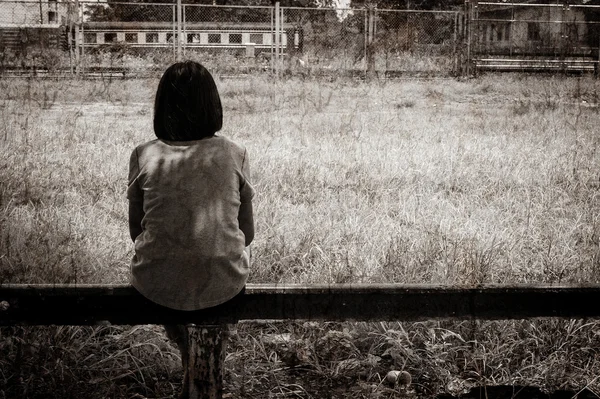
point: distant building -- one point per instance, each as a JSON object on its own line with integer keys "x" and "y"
{"x": 532, "y": 29}
{"x": 31, "y": 24}
{"x": 29, "y": 13}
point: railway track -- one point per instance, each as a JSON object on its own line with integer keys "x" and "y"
{"x": 567, "y": 65}
{"x": 68, "y": 73}
{"x": 481, "y": 65}
{"x": 229, "y": 73}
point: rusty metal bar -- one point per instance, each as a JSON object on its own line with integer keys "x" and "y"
{"x": 122, "y": 304}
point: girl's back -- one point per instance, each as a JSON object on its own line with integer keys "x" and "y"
{"x": 190, "y": 254}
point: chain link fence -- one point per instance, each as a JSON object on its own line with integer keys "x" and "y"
{"x": 142, "y": 38}
{"x": 138, "y": 39}
{"x": 417, "y": 41}
{"x": 331, "y": 40}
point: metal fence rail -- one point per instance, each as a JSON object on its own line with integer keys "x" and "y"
{"x": 204, "y": 353}
{"x": 122, "y": 304}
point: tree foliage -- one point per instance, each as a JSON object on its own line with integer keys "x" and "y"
{"x": 148, "y": 10}
{"x": 143, "y": 10}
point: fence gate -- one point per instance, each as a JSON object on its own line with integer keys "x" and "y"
{"x": 527, "y": 36}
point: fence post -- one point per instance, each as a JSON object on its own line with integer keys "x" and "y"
{"x": 457, "y": 54}
{"x": 205, "y": 358}
{"x": 470, "y": 31}
{"x": 78, "y": 39}
{"x": 278, "y": 30}
{"x": 597, "y": 63}
{"x": 466, "y": 40}
{"x": 370, "y": 50}
{"x": 70, "y": 35}
{"x": 565, "y": 40}
{"x": 82, "y": 38}
{"x": 177, "y": 40}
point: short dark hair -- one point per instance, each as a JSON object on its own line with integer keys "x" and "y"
{"x": 187, "y": 104}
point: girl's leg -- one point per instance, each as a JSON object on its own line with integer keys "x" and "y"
{"x": 179, "y": 334}
{"x": 216, "y": 340}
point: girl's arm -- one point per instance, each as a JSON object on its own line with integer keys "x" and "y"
{"x": 136, "y": 214}
{"x": 246, "y": 221}
{"x": 245, "y": 214}
{"x": 135, "y": 196}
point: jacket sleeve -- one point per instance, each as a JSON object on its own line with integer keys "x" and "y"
{"x": 246, "y": 190}
{"x": 134, "y": 190}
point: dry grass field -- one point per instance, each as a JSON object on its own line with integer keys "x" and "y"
{"x": 489, "y": 180}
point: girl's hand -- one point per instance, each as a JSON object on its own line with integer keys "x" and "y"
{"x": 246, "y": 221}
{"x": 136, "y": 214}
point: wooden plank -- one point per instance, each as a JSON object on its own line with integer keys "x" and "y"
{"x": 122, "y": 304}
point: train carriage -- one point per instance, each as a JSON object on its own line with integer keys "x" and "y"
{"x": 216, "y": 36}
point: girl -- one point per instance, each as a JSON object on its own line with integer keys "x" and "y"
{"x": 190, "y": 200}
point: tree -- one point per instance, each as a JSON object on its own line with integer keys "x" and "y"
{"x": 148, "y": 10}
{"x": 143, "y": 10}
{"x": 405, "y": 4}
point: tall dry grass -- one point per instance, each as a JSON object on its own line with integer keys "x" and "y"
{"x": 493, "y": 180}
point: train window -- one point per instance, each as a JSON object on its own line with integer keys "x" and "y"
{"x": 110, "y": 37}
{"x": 90, "y": 38}
{"x": 193, "y": 38}
{"x": 171, "y": 37}
{"x": 214, "y": 38}
{"x": 533, "y": 31}
{"x": 235, "y": 38}
{"x": 151, "y": 37}
{"x": 131, "y": 37}
{"x": 256, "y": 38}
